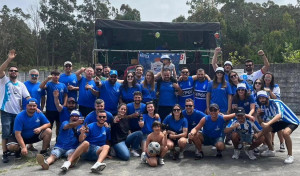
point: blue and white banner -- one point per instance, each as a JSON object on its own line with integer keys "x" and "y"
{"x": 151, "y": 61}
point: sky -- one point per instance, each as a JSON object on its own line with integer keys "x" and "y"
{"x": 150, "y": 10}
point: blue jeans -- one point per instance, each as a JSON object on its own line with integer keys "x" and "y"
{"x": 7, "y": 121}
{"x": 134, "y": 140}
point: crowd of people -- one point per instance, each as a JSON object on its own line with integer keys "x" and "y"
{"x": 98, "y": 115}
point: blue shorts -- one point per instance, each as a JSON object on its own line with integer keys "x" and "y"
{"x": 59, "y": 152}
{"x": 91, "y": 154}
{"x": 246, "y": 138}
{"x": 7, "y": 121}
{"x": 212, "y": 140}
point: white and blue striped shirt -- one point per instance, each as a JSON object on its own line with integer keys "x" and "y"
{"x": 246, "y": 128}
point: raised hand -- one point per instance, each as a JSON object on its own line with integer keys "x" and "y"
{"x": 11, "y": 54}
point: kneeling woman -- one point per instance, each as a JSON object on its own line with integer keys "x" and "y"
{"x": 120, "y": 137}
{"x": 177, "y": 127}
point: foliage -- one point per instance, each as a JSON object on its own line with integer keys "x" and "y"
{"x": 290, "y": 55}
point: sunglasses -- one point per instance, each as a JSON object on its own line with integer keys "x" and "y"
{"x": 241, "y": 90}
{"x": 176, "y": 110}
{"x": 99, "y": 69}
{"x": 219, "y": 72}
{"x": 102, "y": 117}
{"x": 249, "y": 65}
{"x": 259, "y": 83}
{"x": 113, "y": 76}
{"x": 129, "y": 76}
{"x": 68, "y": 66}
{"x": 233, "y": 76}
{"x": 213, "y": 110}
{"x": 34, "y": 75}
{"x": 13, "y": 71}
{"x": 188, "y": 106}
{"x": 184, "y": 72}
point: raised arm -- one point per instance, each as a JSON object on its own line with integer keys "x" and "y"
{"x": 79, "y": 72}
{"x": 266, "y": 66}
{"x": 10, "y": 57}
{"x": 58, "y": 106}
{"x": 214, "y": 61}
{"x": 43, "y": 84}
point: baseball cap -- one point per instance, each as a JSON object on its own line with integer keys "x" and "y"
{"x": 241, "y": 86}
{"x": 31, "y": 101}
{"x": 113, "y": 72}
{"x": 67, "y": 62}
{"x": 165, "y": 57}
{"x": 214, "y": 105}
{"x": 240, "y": 111}
{"x": 71, "y": 99}
{"x": 262, "y": 93}
{"x": 75, "y": 113}
{"x": 228, "y": 62}
{"x": 220, "y": 69}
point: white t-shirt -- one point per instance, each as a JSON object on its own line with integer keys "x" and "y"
{"x": 11, "y": 95}
{"x": 251, "y": 78}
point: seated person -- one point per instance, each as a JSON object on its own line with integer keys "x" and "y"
{"x": 243, "y": 131}
{"x": 67, "y": 141}
{"x": 94, "y": 139}
{"x": 30, "y": 127}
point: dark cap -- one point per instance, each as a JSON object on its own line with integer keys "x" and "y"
{"x": 71, "y": 99}
{"x": 214, "y": 105}
{"x": 240, "y": 111}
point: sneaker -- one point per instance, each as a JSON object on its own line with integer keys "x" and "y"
{"x": 31, "y": 148}
{"x": 18, "y": 154}
{"x": 268, "y": 153}
{"x": 42, "y": 162}
{"x": 282, "y": 148}
{"x": 75, "y": 162}
{"x": 198, "y": 155}
{"x": 228, "y": 142}
{"x": 219, "y": 154}
{"x": 250, "y": 154}
{"x": 45, "y": 152}
{"x": 236, "y": 154}
{"x": 98, "y": 167}
{"x": 289, "y": 159}
{"x": 134, "y": 153}
{"x": 240, "y": 146}
{"x": 181, "y": 156}
{"x": 5, "y": 157}
{"x": 263, "y": 148}
{"x": 161, "y": 161}
{"x": 66, "y": 165}
{"x": 214, "y": 148}
{"x": 143, "y": 158}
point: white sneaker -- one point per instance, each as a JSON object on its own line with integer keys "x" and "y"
{"x": 289, "y": 160}
{"x": 143, "y": 158}
{"x": 161, "y": 161}
{"x": 181, "y": 156}
{"x": 250, "y": 154}
{"x": 66, "y": 165}
{"x": 214, "y": 148}
{"x": 135, "y": 153}
{"x": 98, "y": 167}
{"x": 236, "y": 154}
{"x": 263, "y": 148}
{"x": 268, "y": 153}
{"x": 282, "y": 148}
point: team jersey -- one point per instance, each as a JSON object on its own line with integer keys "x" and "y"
{"x": 86, "y": 97}
{"x": 67, "y": 139}
{"x": 187, "y": 90}
{"x": 275, "y": 107}
{"x": 148, "y": 93}
{"x": 148, "y": 121}
{"x": 247, "y": 127}
{"x": 200, "y": 91}
{"x": 11, "y": 95}
{"x": 175, "y": 125}
{"x": 97, "y": 135}
{"x": 219, "y": 95}
{"x": 69, "y": 80}
{"x": 35, "y": 92}
{"x": 213, "y": 129}
{"x": 110, "y": 94}
{"x": 194, "y": 118}
{"x": 127, "y": 94}
{"x": 246, "y": 103}
{"x": 167, "y": 96}
{"x": 276, "y": 91}
{"x": 92, "y": 117}
{"x": 50, "y": 88}
{"x": 27, "y": 124}
{"x": 134, "y": 122}
{"x": 251, "y": 78}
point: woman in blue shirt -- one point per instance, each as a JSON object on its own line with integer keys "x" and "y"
{"x": 128, "y": 87}
{"x": 148, "y": 88}
{"x": 234, "y": 80}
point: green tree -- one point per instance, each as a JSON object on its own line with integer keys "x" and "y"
{"x": 127, "y": 13}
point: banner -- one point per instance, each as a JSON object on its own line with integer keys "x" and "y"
{"x": 152, "y": 61}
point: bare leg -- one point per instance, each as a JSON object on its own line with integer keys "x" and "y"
{"x": 280, "y": 136}
{"x": 102, "y": 152}
{"x": 46, "y": 137}
{"x": 220, "y": 146}
{"x": 170, "y": 144}
{"x": 152, "y": 161}
{"x": 82, "y": 148}
{"x": 182, "y": 143}
{"x": 51, "y": 159}
{"x": 235, "y": 139}
{"x": 4, "y": 147}
{"x": 288, "y": 141}
{"x": 198, "y": 140}
{"x": 163, "y": 151}
{"x": 257, "y": 143}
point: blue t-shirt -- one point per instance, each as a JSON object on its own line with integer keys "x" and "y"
{"x": 148, "y": 93}
{"x": 127, "y": 94}
{"x": 27, "y": 124}
{"x": 148, "y": 121}
{"x": 134, "y": 122}
{"x": 226, "y": 77}
{"x": 234, "y": 87}
{"x": 176, "y": 125}
{"x": 200, "y": 91}
{"x": 92, "y": 117}
{"x": 67, "y": 139}
{"x": 244, "y": 103}
{"x": 139, "y": 81}
{"x": 194, "y": 118}
{"x": 64, "y": 115}
{"x": 167, "y": 96}
{"x": 69, "y": 80}
{"x": 97, "y": 135}
{"x": 86, "y": 98}
{"x": 50, "y": 88}
{"x": 187, "y": 90}
{"x": 219, "y": 95}
{"x": 110, "y": 94}
{"x": 213, "y": 129}
{"x": 35, "y": 92}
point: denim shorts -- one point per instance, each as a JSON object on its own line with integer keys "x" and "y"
{"x": 59, "y": 152}
{"x": 212, "y": 140}
{"x": 91, "y": 155}
{"x": 7, "y": 121}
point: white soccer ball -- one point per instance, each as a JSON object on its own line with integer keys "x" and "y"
{"x": 154, "y": 148}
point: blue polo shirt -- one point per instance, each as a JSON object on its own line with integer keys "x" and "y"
{"x": 110, "y": 94}
{"x": 194, "y": 118}
{"x": 35, "y": 92}
{"x": 97, "y": 135}
{"x": 67, "y": 139}
{"x": 50, "y": 88}
{"x": 86, "y": 98}
{"x": 69, "y": 80}
{"x": 176, "y": 125}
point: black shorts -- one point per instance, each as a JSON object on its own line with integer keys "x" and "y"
{"x": 35, "y": 138}
{"x": 277, "y": 126}
{"x": 52, "y": 116}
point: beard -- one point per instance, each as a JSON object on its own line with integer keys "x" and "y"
{"x": 248, "y": 69}
{"x": 13, "y": 77}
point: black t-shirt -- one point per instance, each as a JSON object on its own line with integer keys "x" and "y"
{"x": 119, "y": 131}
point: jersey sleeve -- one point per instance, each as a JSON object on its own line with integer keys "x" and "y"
{"x": 228, "y": 89}
{"x": 43, "y": 118}
{"x": 185, "y": 123}
{"x": 276, "y": 91}
{"x": 209, "y": 86}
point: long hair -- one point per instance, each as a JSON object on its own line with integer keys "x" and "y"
{"x": 262, "y": 84}
{"x": 215, "y": 82}
{"x": 236, "y": 97}
{"x": 152, "y": 81}
{"x": 149, "y": 103}
{"x": 239, "y": 79}
{"x": 272, "y": 80}
{"x": 125, "y": 82}
{"x": 181, "y": 115}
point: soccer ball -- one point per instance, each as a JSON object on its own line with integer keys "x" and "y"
{"x": 154, "y": 148}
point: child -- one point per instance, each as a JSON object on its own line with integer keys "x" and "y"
{"x": 161, "y": 138}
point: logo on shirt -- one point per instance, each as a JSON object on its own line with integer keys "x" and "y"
{"x": 37, "y": 121}
{"x": 39, "y": 89}
{"x": 104, "y": 133}
{"x": 74, "y": 81}
{"x": 217, "y": 129}
{"x": 61, "y": 90}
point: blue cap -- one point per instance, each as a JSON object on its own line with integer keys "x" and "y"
{"x": 113, "y": 72}
{"x": 31, "y": 101}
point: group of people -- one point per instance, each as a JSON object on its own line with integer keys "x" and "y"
{"x": 98, "y": 115}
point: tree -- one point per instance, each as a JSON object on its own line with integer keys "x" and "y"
{"x": 127, "y": 13}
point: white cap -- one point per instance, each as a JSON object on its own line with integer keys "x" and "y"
{"x": 262, "y": 93}
{"x": 75, "y": 113}
{"x": 241, "y": 86}
{"x": 67, "y": 62}
{"x": 165, "y": 57}
{"x": 228, "y": 62}
{"x": 220, "y": 69}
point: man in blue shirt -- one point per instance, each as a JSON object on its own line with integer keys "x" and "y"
{"x": 70, "y": 80}
{"x": 280, "y": 117}
{"x": 200, "y": 90}
{"x": 187, "y": 86}
{"x": 94, "y": 138}
{"x": 139, "y": 74}
{"x": 30, "y": 127}
{"x": 67, "y": 141}
{"x": 64, "y": 111}
{"x": 92, "y": 116}
{"x": 135, "y": 111}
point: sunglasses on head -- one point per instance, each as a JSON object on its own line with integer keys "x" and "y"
{"x": 188, "y": 106}
{"x": 102, "y": 117}
{"x": 176, "y": 110}
{"x": 13, "y": 71}
{"x": 213, "y": 110}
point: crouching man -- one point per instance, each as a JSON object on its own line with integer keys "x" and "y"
{"x": 30, "y": 127}
{"x": 94, "y": 139}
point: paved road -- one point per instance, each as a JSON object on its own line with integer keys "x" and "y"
{"x": 209, "y": 165}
